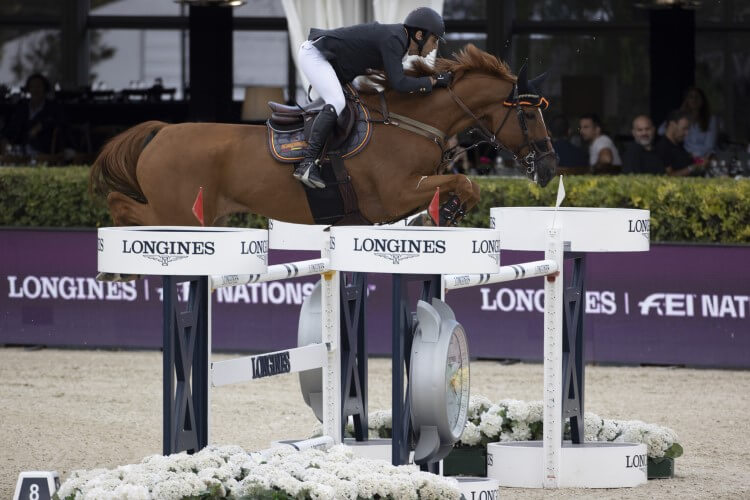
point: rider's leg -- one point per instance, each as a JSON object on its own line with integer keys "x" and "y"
{"x": 308, "y": 170}
{"x": 323, "y": 79}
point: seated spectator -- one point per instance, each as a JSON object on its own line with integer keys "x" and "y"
{"x": 568, "y": 154}
{"x": 677, "y": 161}
{"x": 602, "y": 151}
{"x": 640, "y": 156}
{"x": 703, "y": 133}
{"x": 34, "y": 121}
{"x": 704, "y": 128}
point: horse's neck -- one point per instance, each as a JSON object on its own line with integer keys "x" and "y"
{"x": 439, "y": 109}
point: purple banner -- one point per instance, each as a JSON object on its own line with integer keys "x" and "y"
{"x": 677, "y": 304}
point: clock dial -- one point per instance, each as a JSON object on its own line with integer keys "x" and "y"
{"x": 438, "y": 381}
{"x": 457, "y": 380}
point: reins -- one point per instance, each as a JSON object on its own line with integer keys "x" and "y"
{"x": 536, "y": 149}
{"x": 390, "y": 118}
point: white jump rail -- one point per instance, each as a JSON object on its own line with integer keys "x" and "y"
{"x": 293, "y": 360}
{"x": 275, "y": 272}
{"x": 514, "y": 272}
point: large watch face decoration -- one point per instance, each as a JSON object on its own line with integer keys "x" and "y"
{"x": 310, "y": 331}
{"x": 438, "y": 381}
{"x": 457, "y": 380}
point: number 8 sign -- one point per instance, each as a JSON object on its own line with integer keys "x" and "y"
{"x": 36, "y": 485}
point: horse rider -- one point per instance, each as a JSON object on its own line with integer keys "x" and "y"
{"x": 330, "y": 58}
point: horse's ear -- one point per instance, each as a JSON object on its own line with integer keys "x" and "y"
{"x": 523, "y": 79}
{"x": 535, "y": 84}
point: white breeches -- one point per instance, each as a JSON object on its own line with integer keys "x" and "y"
{"x": 321, "y": 75}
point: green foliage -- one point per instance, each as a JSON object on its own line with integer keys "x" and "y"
{"x": 692, "y": 210}
{"x": 674, "y": 451}
{"x": 48, "y": 197}
{"x": 682, "y": 210}
{"x": 58, "y": 197}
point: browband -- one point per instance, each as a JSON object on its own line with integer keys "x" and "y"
{"x": 528, "y": 100}
{"x": 515, "y": 99}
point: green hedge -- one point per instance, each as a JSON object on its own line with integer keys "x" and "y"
{"x": 59, "y": 197}
{"x": 682, "y": 210}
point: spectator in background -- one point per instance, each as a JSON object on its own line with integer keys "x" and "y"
{"x": 640, "y": 156}
{"x": 704, "y": 129}
{"x": 677, "y": 161}
{"x": 701, "y": 137}
{"x": 34, "y": 121}
{"x": 568, "y": 154}
{"x": 602, "y": 151}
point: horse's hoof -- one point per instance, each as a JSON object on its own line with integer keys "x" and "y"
{"x": 422, "y": 220}
{"x": 117, "y": 277}
{"x": 128, "y": 277}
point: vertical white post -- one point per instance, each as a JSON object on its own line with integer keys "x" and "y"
{"x": 331, "y": 319}
{"x": 209, "y": 348}
{"x": 553, "y": 318}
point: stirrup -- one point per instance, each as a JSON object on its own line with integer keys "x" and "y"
{"x": 315, "y": 182}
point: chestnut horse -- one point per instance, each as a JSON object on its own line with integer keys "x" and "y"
{"x": 151, "y": 173}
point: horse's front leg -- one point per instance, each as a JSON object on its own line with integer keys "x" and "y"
{"x": 457, "y": 195}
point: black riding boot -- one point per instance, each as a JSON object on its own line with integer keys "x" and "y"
{"x": 308, "y": 172}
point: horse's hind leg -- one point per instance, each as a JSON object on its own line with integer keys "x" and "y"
{"x": 126, "y": 211}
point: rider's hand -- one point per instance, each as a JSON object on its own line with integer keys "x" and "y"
{"x": 442, "y": 79}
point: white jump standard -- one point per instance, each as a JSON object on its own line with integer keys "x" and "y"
{"x": 552, "y": 463}
{"x": 188, "y": 371}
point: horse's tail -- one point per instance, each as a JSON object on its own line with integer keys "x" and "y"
{"x": 114, "y": 168}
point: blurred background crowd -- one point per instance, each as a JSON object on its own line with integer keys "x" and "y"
{"x": 655, "y": 86}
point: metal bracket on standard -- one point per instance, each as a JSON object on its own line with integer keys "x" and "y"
{"x": 354, "y": 352}
{"x": 185, "y": 357}
{"x": 403, "y": 324}
{"x": 573, "y": 348}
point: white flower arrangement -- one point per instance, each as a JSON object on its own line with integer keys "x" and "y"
{"x": 513, "y": 420}
{"x": 478, "y": 405}
{"x": 471, "y": 436}
{"x": 283, "y": 473}
{"x": 491, "y": 422}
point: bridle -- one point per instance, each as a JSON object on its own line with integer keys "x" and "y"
{"x": 535, "y": 150}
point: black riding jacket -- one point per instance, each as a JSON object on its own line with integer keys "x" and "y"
{"x": 352, "y": 50}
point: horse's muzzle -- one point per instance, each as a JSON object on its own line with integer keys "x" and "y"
{"x": 545, "y": 169}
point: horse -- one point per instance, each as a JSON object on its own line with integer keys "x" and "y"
{"x": 150, "y": 174}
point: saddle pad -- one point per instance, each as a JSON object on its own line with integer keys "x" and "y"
{"x": 289, "y": 147}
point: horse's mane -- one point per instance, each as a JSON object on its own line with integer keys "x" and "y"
{"x": 468, "y": 59}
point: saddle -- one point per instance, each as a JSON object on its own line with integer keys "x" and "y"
{"x": 289, "y": 128}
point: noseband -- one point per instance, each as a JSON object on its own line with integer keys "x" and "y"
{"x": 535, "y": 150}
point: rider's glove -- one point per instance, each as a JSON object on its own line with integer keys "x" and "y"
{"x": 443, "y": 79}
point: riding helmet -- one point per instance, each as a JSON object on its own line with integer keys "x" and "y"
{"x": 426, "y": 19}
